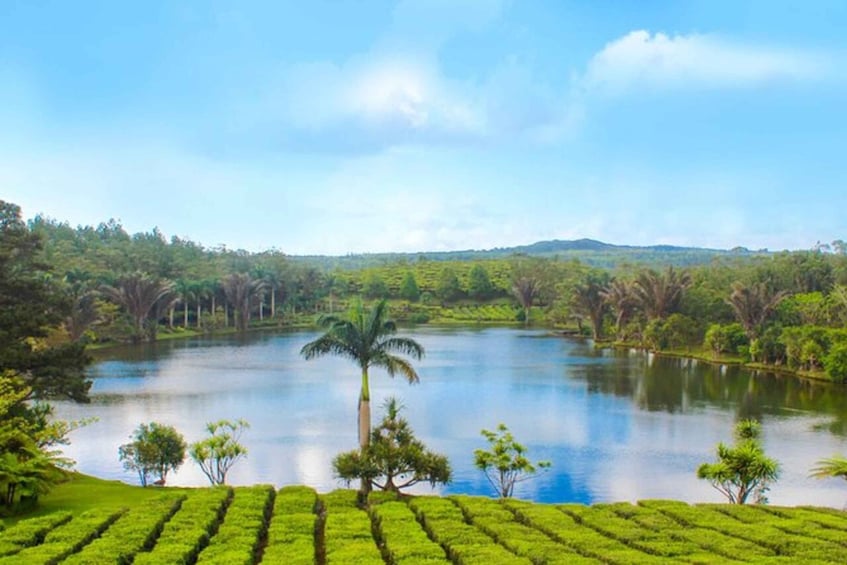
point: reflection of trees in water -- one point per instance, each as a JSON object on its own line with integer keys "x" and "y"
{"x": 677, "y": 385}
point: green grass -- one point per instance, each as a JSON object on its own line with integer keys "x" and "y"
{"x": 91, "y": 521}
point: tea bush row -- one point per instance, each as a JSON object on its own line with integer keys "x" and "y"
{"x": 190, "y": 529}
{"x": 404, "y": 541}
{"x": 348, "y": 532}
{"x": 244, "y": 525}
{"x": 66, "y": 539}
{"x": 464, "y": 544}
{"x": 291, "y": 533}
{"x": 135, "y": 531}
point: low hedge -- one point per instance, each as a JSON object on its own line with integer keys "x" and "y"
{"x": 190, "y": 529}
{"x": 135, "y": 531}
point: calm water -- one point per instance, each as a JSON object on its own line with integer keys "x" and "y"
{"x": 616, "y": 425}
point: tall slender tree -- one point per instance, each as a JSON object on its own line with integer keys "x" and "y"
{"x": 145, "y": 299}
{"x": 367, "y": 337}
{"x": 240, "y": 290}
{"x": 659, "y": 294}
{"x": 587, "y": 300}
{"x": 753, "y": 305}
{"x": 619, "y": 296}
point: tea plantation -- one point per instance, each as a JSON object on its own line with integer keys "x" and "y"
{"x": 295, "y": 525}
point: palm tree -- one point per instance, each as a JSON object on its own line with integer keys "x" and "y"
{"x": 835, "y": 466}
{"x": 366, "y": 336}
{"x": 145, "y": 298}
{"x": 587, "y": 300}
{"x": 240, "y": 290}
{"x": 529, "y": 278}
{"x": 619, "y": 296}
{"x": 659, "y": 294}
{"x": 753, "y": 305}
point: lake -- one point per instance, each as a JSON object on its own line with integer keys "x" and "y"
{"x": 617, "y": 425}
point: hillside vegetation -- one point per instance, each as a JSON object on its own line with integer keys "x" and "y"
{"x": 295, "y": 525}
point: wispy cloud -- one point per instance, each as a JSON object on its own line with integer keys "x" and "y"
{"x": 642, "y": 60}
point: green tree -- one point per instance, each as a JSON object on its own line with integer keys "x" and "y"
{"x": 30, "y": 462}
{"x": 366, "y": 337}
{"x": 659, "y": 294}
{"x": 742, "y": 470}
{"x": 835, "y": 362}
{"x": 374, "y": 286}
{"x": 587, "y": 300}
{"x": 479, "y": 283}
{"x": 241, "y": 290}
{"x": 156, "y": 449}
{"x": 145, "y": 299}
{"x": 619, "y": 295}
{"x": 395, "y": 458}
{"x": 31, "y": 305}
{"x": 529, "y": 279}
{"x": 217, "y": 453}
{"x": 505, "y": 462}
{"x": 448, "y": 288}
{"x": 753, "y": 305}
{"x": 409, "y": 289}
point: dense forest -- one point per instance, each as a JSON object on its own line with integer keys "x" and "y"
{"x": 786, "y": 310}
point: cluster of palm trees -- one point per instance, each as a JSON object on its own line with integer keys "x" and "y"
{"x": 653, "y": 294}
{"x": 147, "y": 299}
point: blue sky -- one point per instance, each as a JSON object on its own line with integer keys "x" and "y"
{"x": 351, "y": 126}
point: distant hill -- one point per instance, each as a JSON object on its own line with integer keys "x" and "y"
{"x": 589, "y": 251}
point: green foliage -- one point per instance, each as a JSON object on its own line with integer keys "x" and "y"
{"x": 409, "y": 289}
{"x": 134, "y": 532}
{"x": 237, "y": 539}
{"x": 366, "y": 336}
{"x": 217, "y": 453}
{"x": 374, "y": 287}
{"x": 156, "y": 449}
{"x": 725, "y": 338}
{"x": 449, "y": 288}
{"x": 742, "y": 469}
{"x": 30, "y": 463}
{"x": 395, "y": 459}
{"x": 835, "y": 362}
{"x": 835, "y": 466}
{"x": 217, "y": 525}
{"x": 505, "y": 462}
{"x": 31, "y": 303}
{"x": 189, "y": 530}
{"x": 291, "y": 533}
{"x": 479, "y": 283}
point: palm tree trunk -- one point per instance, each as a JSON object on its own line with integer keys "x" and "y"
{"x": 171, "y": 317}
{"x": 185, "y": 315}
{"x": 273, "y": 303}
{"x": 365, "y": 424}
{"x": 198, "y": 315}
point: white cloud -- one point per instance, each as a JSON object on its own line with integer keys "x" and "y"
{"x": 657, "y": 61}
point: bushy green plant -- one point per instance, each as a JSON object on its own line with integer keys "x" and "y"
{"x": 505, "y": 462}
{"x": 217, "y": 453}
{"x": 155, "y": 449}
{"x": 394, "y": 459}
{"x": 742, "y": 470}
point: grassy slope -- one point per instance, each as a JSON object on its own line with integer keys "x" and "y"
{"x": 295, "y": 525}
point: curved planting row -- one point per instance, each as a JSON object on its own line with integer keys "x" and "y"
{"x": 29, "y": 532}
{"x": 295, "y": 526}
{"x": 66, "y": 539}
{"x": 348, "y": 532}
{"x": 135, "y": 531}
{"x": 291, "y": 533}
{"x": 190, "y": 529}
{"x": 245, "y": 524}
{"x": 464, "y": 543}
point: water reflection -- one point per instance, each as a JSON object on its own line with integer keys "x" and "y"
{"x": 618, "y": 425}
